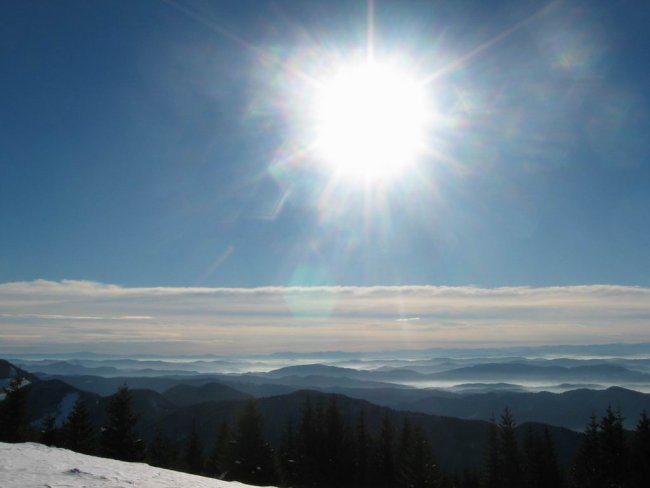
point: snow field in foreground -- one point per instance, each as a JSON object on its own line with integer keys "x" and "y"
{"x": 32, "y": 465}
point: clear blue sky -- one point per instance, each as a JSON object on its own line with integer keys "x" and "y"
{"x": 137, "y": 144}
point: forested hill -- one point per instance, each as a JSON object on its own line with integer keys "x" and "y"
{"x": 9, "y": 370}
{"x": 458, "y": 444}
{"x": 321, "y": 440}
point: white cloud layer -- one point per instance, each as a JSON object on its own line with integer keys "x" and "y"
{"x": 73, "y": 315}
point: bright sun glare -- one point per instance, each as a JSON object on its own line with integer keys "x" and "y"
{"x": 370, "y": 121}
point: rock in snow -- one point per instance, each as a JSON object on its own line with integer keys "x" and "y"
{"x": 34, "y": 465}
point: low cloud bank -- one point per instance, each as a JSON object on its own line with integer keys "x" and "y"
{"x": 73, "y": 315}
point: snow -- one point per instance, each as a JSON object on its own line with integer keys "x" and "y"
{"x": 32, "y": 465}
{"x": 4, "y": 382}
{"x": 65, "y": 407}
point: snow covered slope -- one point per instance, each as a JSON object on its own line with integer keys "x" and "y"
{"x": 34, "y": 465}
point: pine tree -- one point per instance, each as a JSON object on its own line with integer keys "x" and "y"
{"x": 587, "y": 471}
{"x": 423, "y": 471}
{"x": 469, "y": 479}
{"x": 386, "y": 471}
{"x": 640, "y": 459}
{"x": 219, "y": 463}
{"x": 403, "y": 459}
{"x": 119, "y": 439}
{"x": 13, "y": 412}
{"x": 317, "y": 452}
{"x": 50, "y": 434}
{"x": 310, "y": 439}
{"x": 541, "y": 469}
{"x": 253, "y": 457}
{"x": 194, "y": 451}
{"x": 78, "y": 434}
{"x": 551, "y": 473}
{"x": 162, "y": 452}
{"x": 509, "y": 452}
{"x": 288, "y": 456}
{"x": 613, "y": 449}
{"x": 304, "y": 441}
{"x": 492, "y": 465}
{"x": 362, "y": 447}
{"x": 337, "y": 458}
{"x": 530, "y": 457}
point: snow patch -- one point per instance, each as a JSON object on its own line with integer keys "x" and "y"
{"x": 36, "y": 466}
{"x": 65, "y": 407}
{"x": 4, "y": 382}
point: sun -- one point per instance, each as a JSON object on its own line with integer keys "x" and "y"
{"x": 370, "y": 121}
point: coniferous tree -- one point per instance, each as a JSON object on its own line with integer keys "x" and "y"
{"x": 310, "y": 439}
{"x": 253, "y": 457}
{"x": 541, "y": 468}
{"x": 509, "y": 452}
{"x": 362, "y": 446}
{"x": 288, "y": 456}
{"x": 640, "y": 459}
{"x": 162, "y": 452}
{"x": 530, "y": 456}
{"x": 333, "y": 431}
{"x": 13, "y": 412}
{"x": 613, "y": 449}
{"x": 78, "y": 434}
{"x": 423, "y": 471}
{"x": 385, "y": 458}
{"x": 119, "y": 440}
{"x": 587, "y": 472}
{"x": 318, "y": 451}
{"x": 403, "y": 457}
{"x": 551, "y": 473}
{"x": 305, "y": 441}
{"x": 492, "y": 465}
{"x": 219, "y": 463}
{"x": 469, "y": 479}
{"x": 50, "y": 434}
{"x": 339, "y": 451}
{"x": 194, "y": 451}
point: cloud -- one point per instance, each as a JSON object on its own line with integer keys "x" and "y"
{"x": 67, "y": 314}
{"x": 70, "y": 317}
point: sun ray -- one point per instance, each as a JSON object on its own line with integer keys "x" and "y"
{"x": 370, "y": 34}
{"x": 470, "y": 55}
{"x": 263, "y": 54}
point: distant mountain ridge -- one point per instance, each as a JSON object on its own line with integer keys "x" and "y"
{"x": 487, "y": 371}
{"x": 73, "y": 368}
{"x": 457, "y": 442}
{"x": 474, "y": 401}
{"x": 570, "y": 409}
{"x": 184, "y": 395}
{"x": 497, "y": 371}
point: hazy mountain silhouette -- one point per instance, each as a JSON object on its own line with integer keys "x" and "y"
{"x": 505, "y": 371}
{"x": 183, "y": 395}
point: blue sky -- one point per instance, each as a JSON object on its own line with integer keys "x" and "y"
{"x": 140, "y": 145}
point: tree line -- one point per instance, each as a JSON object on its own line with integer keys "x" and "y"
{"x": 323, "y": 449}
{"x": 117, "y": 437}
